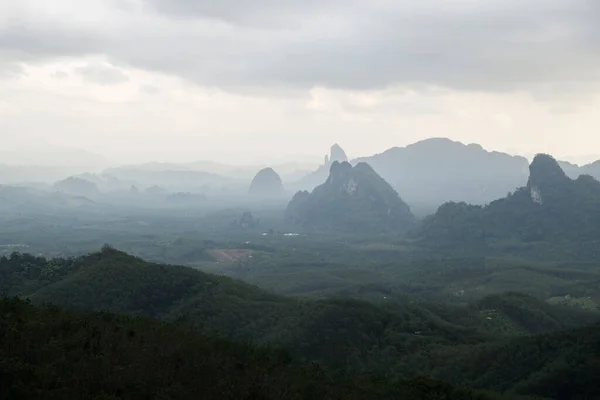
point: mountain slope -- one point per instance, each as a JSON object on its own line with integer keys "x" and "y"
{"x": 435, "y": 171}
{"x": 351, "y": 199}
{"x": 557, "y": 365}
{"x": 48, "y": 353}
{"x": 550, "y": 208}
{"x": 315, "y": 178}
{"x": 266, "y": 183}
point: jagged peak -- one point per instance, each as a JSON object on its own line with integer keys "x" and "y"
{"x": 545, "y": 169}
{"x": 337, "y": 154}
{"x": 366, "y": 167}
{"x": 338, "y": 166}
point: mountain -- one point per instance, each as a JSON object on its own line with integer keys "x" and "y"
{"x": 266, "y": 183}
{"x": 592, "y": 169}
{"x": 15, "y": 199}
{"x": 107, "y": 183}
{"x": 314, "y": 179}
{"x": 173, "y": 180}
{"x": 352, "y": 198}
{"x": 434, "y": 171}
{"x": 337, "y": 154}
{"x": 75, "y": 186}
{"x": 551, "y": 208}
{"x": 289, "y": 171}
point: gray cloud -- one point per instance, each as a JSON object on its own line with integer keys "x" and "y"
{"x": 102, "y": 74}
{"x": 492, "y": 45}
{"x": 60, "y": 75}
{"x": 10, "y": 69}
{"x": 150, "y": 89}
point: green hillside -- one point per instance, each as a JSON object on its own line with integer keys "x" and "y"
{"x": 404, "y": 336}
{"x": 47, "y": 353}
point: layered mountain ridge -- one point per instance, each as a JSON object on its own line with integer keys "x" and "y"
{"x": 550, "y": 207}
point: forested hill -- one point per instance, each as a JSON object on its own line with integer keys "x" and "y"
{"x": 50, "y": 354}
{"x": 552, "y": 208}
{"x": 343, "y": 334}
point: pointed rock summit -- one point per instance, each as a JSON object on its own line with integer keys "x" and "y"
{"x": 552, "y": 207}
{"x": 337, "y": 154}
{"x": 314, "y": 179}
{"x": 267, "y": 182}
{"x": 351, "y": 199}
{"x": 545, "y": 170}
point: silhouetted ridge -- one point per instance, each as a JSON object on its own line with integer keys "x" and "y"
{"x": 77, "y": 187}
{"x": 337, "y": 154}
{"x": 552, "y": 207}
{"x": 433, "y": 171}
{"x": 351, "y": 199}
{"x": 267, "y": 182}
{"x": 314, "y": 179}
{"x": 545, "y": 170}
{"x": 338, "y": 172}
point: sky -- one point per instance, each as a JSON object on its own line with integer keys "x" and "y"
{"x": 240, "y": 81}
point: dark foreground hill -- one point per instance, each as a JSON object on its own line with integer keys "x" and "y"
{"x": 353, "y": 199}
{"x": 407, "y": 339}
{"x": 47, "y": 353}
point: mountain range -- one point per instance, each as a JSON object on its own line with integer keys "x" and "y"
{"x": 551, "y": 207}
{"x": 426, "y": 174}
{"x": 432, "y": 172}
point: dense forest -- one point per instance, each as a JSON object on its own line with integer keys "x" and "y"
{"x": 47, "y": 353}
{"x": 406, "y": 338}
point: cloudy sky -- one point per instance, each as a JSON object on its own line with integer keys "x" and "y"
{"x": 237, "y": 80}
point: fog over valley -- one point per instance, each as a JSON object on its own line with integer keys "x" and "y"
{"x": 299, "y": 200}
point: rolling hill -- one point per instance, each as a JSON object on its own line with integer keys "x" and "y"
{"x": 342, "y": 334}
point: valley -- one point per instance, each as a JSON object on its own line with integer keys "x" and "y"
{"x": 335, "y": 285}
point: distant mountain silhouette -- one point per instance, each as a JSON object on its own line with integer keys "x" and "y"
{"x": 314, "y": 179}
{"x": 15, "y": 199}
{"x": 108, "y": 183}
{"x": 171, "y": 180}
{"x": 75, "y": 186}
{"x": 434, "y": 171}
{"x": 352, "y": 198}
{"x": 550, "y": 207}
{"x": 266, "y": 183}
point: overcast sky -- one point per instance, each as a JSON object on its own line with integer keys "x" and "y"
{"x": 238, "y": 80}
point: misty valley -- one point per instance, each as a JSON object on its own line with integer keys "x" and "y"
{"x": 438, "y": 270}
